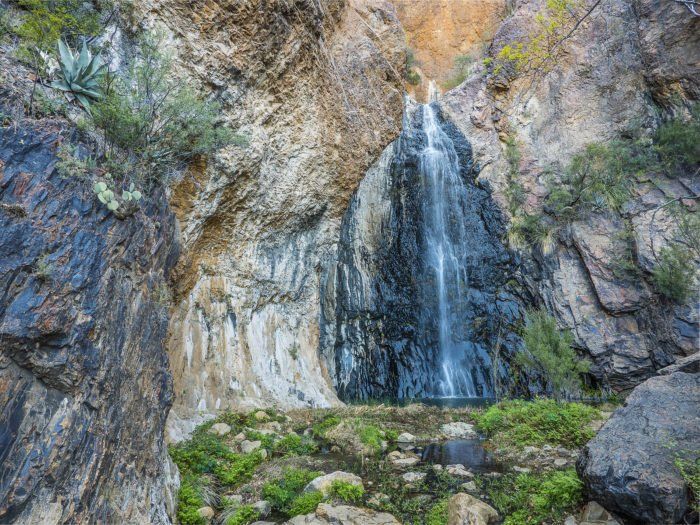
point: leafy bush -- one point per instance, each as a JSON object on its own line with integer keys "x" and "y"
{"x": 189, "y": 501}
{"x": 238, "y": 469}
{"x": 347, "y": 492}
{"x": 294, "y": 445}
{"x": 437, "y": 515}
{"x": 305, "y": 503}
{"x": 370, "y": 435}
{"x": 678, "y": 144}
{"x": 460, "y": 70}
{"x": 520, "y": 423}
{"x": 153, "y": 123}
{"x": 243, "y": 516}
{"x": 410, "y": 74}
{"x": 549, "y": 352}
{"x": 282, "y": 493}
{"x": 532, "y": 499}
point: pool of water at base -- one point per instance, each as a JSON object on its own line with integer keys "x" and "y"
{"x": 468, "y": 452}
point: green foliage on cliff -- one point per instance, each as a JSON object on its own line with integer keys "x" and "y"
{"x": 532, "y": 499}
{"x": 520, "y": 423}
{"x": 153, "y": 123}
{"x": 674, "y": 274}
{"x": 460, "y": 70}
{"x": 548, "y": 351}
{"x": 189, "y": 500}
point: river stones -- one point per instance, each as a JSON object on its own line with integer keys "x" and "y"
{"x": 458, "y": 430}
{"x": 323, "y": 483}
{"x": 326, "y": 514}
{"x": 220, "y": 429}
{"x": 464, "y": 509}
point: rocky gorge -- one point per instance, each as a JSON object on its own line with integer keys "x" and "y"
{"x": 359, "y": 244}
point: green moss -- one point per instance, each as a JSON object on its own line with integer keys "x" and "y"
{"x": 243, "y": 516}
{"x": 283, "y": 492}
{"x": 305, "y": 503}
{"x": 544, "y": 421}
{"x": 532, "y": 499}
{"x": 347, "y": 492}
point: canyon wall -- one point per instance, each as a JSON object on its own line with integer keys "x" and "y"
{"x": 317, "y": 89}
{"x": 627, "y": 66}
{"x": 84, "y": 380}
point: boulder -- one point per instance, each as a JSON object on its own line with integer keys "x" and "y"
{"x": 262, "y": 416}
{"x": 323, "y": 483}
{"x": 464, "y": 509}
{"x": 263, "y": 508}
{"x": 459, "y": 470}
{"x": 250, "y": 446}
{"x": 459, "y": 430}
{"x": 220, "y": 429}
{"x": 343, "y": 515}
{"x": 594, "y": 514}
{"x": 206, "y": 512}
{"x": 406, "y": 437}
{"x": 413, "y": 477}
{"x": 629, "y": 466}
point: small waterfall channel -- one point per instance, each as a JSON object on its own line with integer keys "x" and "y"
{"x": 419, "y": 296}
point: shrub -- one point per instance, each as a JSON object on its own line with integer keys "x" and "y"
{"x": 305, "y": 503}
{"x": 238, "y": 468}
{"x": 532, "y": 499}
{"x": 674, "y": 274}
{"x": 549, "y": 352}
{"x": 678, "y": 144}
{"x": 80, "y": 74}
{"x": 411, "y": 75}
{"x": 243, "y": 516}
{"x": 520, "y": 423}
{"x": 152, "y": 122}
{"x": 294, "y": 445}
{"x": 188, "y": 502}
{"x": 437, "y": 515}
{"x": 370, "y": 435}
{"x": 282, "y": 493}
{"x": 347, "y": 492}
{"x": 690, "y": 472}
{"x": 460, "y": 70}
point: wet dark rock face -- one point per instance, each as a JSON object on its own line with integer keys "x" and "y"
{"x": 84, "y": 381}
{"x": 379, "y": 326}
{"x": 629, "y": 466}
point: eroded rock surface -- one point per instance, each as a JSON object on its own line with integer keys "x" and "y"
{"x": 316, "y": 87}
{"x": 327, "y": 514}
{"x": 624, "y": 67}
{"x": 84, "y": 381}
{"x": 629, "y": 466}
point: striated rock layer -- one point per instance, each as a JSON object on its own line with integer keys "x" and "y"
{"x": 317, "y": 89}
{"x": 625, "y": 67}
{"x": 84, "y": 381}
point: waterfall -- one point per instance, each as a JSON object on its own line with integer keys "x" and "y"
{"x": 446, "y": 244}
{"x": 419, "y": 296}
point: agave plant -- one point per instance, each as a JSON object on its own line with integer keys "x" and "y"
{"x": 80, "y": 74}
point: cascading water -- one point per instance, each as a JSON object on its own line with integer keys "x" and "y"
{"x": 419, "y": 296}
{"x": 446, "y": 243}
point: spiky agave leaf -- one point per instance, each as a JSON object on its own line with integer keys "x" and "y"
{"x": 81, "y": 74}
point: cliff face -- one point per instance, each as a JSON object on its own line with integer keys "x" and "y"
{"x": 626, "y": 66}
{"x": 316, "y": 87}
{"x": 84, "y": 381}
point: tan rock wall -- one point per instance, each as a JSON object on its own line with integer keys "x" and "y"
{"x": 317, "y": 88}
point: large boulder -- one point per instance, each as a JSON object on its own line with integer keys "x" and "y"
{"x": 323, "y": 484}
{"x": 629, "y": 466}
{"x": 326, "y": 514}
{"x": 464, "y": 509}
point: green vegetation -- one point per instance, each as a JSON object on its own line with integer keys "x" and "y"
{"x": 532, "y": 499}
{"x": 460, "y": 71}
{"x": 690, "y": 471}
{"x": 410, "y": 75}
{"x": 548, "y": 352}
{"x": 243, "y": 515}
{"x": 347, "y": 492}
{"x": 81, "y": 74}
{"x": 189, "y": 501}
{"x": 319, "y": 429}
{"x": 540, "y": 50}
{"x": 370, "y": 435}
{"x": 519, "y": 423}
{"x": 152, "y": 124}
{"x": 437, "y": 515}
{"x": 294, "y": 445}
{"x": 285, "y": 494}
